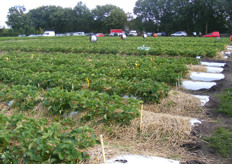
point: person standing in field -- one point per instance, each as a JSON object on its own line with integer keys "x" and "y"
{"x": 200, "y": 34}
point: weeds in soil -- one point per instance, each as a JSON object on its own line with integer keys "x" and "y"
{"x": 225, "y": 104}
{"x": 221, "y": 141}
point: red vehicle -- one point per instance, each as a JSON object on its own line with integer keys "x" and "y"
{"x": 116, "y": 31}
{"x": 213, "y": 34}
{"x": 99, "y": 34}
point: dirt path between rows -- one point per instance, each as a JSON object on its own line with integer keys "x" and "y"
{"x": 199, "y": 147}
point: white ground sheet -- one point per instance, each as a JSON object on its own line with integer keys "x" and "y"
{"x": 202, "y": 76}
{"x": 197, "y": 85}
{"x": 213, "y": 64}
{"x": 203, "y": 98}
{"x": 140, "y": 159}
{"x": 214, "y": 69}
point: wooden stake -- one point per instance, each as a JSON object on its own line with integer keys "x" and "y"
{"x": 103, "y": 152}
{"x": 141, "y": 117}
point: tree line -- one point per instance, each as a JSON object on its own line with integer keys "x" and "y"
{"x": 148, "y": 16}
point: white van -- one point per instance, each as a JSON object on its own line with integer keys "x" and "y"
{"x": 49, "y": 33}
{"x": 133, "y": 33}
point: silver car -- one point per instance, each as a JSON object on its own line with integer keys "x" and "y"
{"x": 78, "y": 34}
{"x": 179, "y": 33}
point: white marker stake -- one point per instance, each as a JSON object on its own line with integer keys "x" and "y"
{"x": 141, "y": 118}
{"x": 103, "y": 152}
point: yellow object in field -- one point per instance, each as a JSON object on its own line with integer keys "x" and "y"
{"x": 87, "y": 81}
{"x": 137, "y": 65}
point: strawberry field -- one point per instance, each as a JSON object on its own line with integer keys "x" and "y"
{"x": 188, "y": 47}
{"x": 104, "y": 82}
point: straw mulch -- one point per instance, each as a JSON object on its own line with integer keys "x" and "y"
{"x": 161, "y": 135}
{"x": 178, "y": 103}
{"x": 197, "y": 68}
{"x": 219, "y": 56}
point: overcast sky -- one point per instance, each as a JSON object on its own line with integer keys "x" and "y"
{"x": 126, "y": 5}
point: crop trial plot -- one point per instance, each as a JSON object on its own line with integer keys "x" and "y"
{"x": 69, "y": 90}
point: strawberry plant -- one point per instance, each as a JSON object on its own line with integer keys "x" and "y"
{"x": 36, "y": 141}
{"x": 93, "y": 105}
{"x": 23, "y": 97}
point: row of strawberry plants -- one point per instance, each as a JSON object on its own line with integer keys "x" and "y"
{"x": 159, "y": 46}
{"x": 36, "y": 141}
{"x": 148, "y": 90}
{"x": 143, "y": 77}
{"x": 90, "y": 105}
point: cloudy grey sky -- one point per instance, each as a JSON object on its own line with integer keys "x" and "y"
{"x": 126, "y": 5}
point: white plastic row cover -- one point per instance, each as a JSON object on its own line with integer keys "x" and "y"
{"x": 194, "y": 122}
{"x": 203, "y": 98}
{"x": 214, "y": 69}
{"x": 202, "y": 76}
{"x": 197, "y": 85}
{"x": 140, "y": 159}
{"x": 213, "y": 64}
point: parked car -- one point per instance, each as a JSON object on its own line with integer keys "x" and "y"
{"x": 22, "y": 35}
{"x": 179, "y": 33}
{"x": 49, "y": 33}
{"x": 133, "y": 33}
{"x": 115, "y": 34}
{"x": 31, "y": 35}
{"x": 213, "y": 34}
{"x": 38, "y": 35}
{"x": 60, "y": 34}
{"x": 89, "y": 34}
{"x": 161, "y": 34}
{"x": 99, "y": 34}
{"x": 149, "y": 34}
{"x": 78, "y": 34}
{"x": 69, "y": 34}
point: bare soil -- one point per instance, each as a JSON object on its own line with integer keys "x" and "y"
{"x": 199, "y": 147}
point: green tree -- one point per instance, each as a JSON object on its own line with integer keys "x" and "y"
{"x": 209, "y": 15}
{"x": 40, "y": 17}
{"x": 155, "y": 12}
{"x": 116, "y": 19}
{"x": 17, "y": 19}
{"x": 184, "y": 15}
{"x": 101, "y": 14}
{"x": 69, "y": 19}
{"x": 84, "y": 18}
{"x": 8, "y": 32}
{"x": 53, "y": 18}
{"x": 227, "y": 5}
